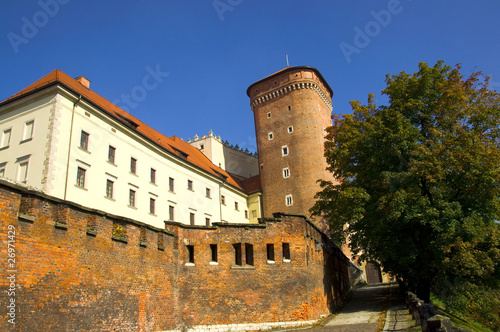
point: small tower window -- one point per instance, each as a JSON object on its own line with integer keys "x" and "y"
{"x": 290, "y": 129}
{"x": 288, "y": 200}
{"x": 289, "y": 107}
{"x": 270, "y": 136}
{"x": 268, "y": 115}
{"x": 284, "y": 150}
{"x": 286, "y": 172}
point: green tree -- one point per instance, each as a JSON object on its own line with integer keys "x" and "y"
{"x": 419, "y": 178}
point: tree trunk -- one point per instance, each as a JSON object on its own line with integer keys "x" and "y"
{"x": 424, "y": 290}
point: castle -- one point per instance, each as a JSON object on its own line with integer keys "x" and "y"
{"x": 198, "y": 231}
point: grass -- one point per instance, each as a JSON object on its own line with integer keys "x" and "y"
{"x": 455, "y": 319}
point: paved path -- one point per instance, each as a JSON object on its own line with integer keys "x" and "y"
{"x": 368, "y": 308}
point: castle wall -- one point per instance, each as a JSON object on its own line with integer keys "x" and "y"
{"x": 81, "y": 269}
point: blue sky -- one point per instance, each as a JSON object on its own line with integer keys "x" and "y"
{"x": 205, "y": 53}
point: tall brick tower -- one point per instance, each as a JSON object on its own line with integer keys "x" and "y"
{"x": 291, "y": 109}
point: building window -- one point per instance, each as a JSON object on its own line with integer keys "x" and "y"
{"x": 190, "y": 254}
{"x": 84, "y": 141}
{"x": 109, "y": 189}
{"x": 288, "y": 200}
{"x": 28, "y": 130}
{"x": 133, "y": 165}
{"x": 286, "y": 173}
{"x": 289, "y": 107}
{"x": 153, "y": 176}
{"x": 2, "y": 169}
{"x": 213, "y": 253}
{"x": 170, "y": 212}
{"x": 190, "y": 185}
{"x": 284, "y": 150}
{"x": 207, "y": 192}
{"x": 286, "y": 251}
{"x": 6, "y": 138}
{"x": 191, "y": 218}
{"x": 290, "y": 129}
{"x": 223, "y": 200}
{"x": 111, "y": 154}
{"x": 268, "y": 115}
{"x": 237, "y": 254}
{"x": 22, "y": 172}
{"x": 254, "y": 213}
{"x": 207, "y": 221}
{"x": 270, "y": 136}
{"x": 236, "y": 205}
{"x": 80, "y": 177}
{"x": 152, "y": 205}
{"x": 171, "y": 185}
{"x": 246, "y": 214}
{"x": 270, "y": 251}
{"x": 248, "y": 254}
{"x": 131, "y": 197}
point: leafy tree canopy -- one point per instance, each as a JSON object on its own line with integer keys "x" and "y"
{"x": 420, "y": 178}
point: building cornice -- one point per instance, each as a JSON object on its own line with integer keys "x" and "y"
{"x": 275, "y": 93}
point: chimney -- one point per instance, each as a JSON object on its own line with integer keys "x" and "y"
{"x": 83, "y": 81}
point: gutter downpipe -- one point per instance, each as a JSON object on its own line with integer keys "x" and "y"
{"x": 69, "y": 146}
{"x": 220, "y": 199}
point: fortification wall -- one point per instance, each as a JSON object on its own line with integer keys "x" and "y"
{"x": 73, "y": 269}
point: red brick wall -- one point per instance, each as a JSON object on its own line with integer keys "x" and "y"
{"x": 280, "y": 101}
{"x": 67, "y": 279}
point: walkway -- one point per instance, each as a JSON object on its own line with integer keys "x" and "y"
{"x": 367, "y": 310}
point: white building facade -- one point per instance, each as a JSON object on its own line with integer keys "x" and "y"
{"x": 61, "y": 137}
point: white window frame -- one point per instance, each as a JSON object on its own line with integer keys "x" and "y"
{"x": 6, "y": 136}
{"x": 289, "y": 129}
{"x": 270, "y": 136}
{"x": 87, "y": 141}
{"x": 283, "y": 148}
{"x": 286, "y": 173}
{"x": 27, "y": 131}
{"x": 3, "y": 167}
{"x": 289, "y": 200}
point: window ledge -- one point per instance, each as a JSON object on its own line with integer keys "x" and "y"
{"x": 152, "y": 214}
{"x": 172, "y": 192}
{"x": 82, "y": 149}
{"x": 134, "y": 174}
{"x": 4, "y": 148}
{"x": 26, "y": 140}
{"x": 110, "y": 199}
{"x": 243, "y": 267}
{"x": 82, "y": 188}
{"x": 91, "y": 232}
{"x": 213, "y": 263}
{"x": 112, "y": 163}
{"x": 271, "y": 262}
{"x": 132, "y": 207}
{"x": 286, "y": 260}
{"x": 60, "y": 225}
{"x": 26, "y": 217}
{"x": 189, "y": 264}
{"x": 152, "y": 183}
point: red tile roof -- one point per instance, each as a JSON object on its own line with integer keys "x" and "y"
{"x": 252, "y": 184}
{"x": 173, "y": 144}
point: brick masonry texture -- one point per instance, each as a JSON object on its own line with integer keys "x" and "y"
{"x": 80, "y": 269}
{"x": 306, "y": 112}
